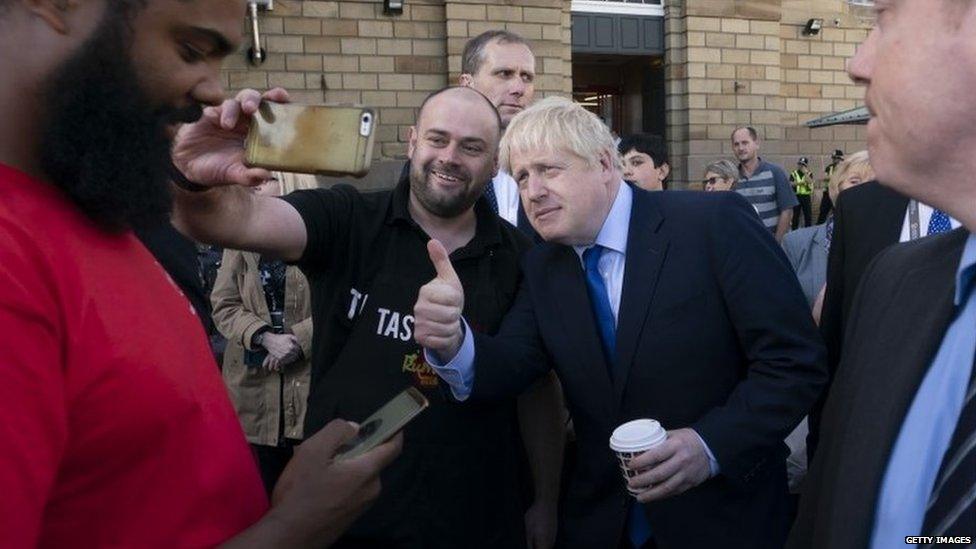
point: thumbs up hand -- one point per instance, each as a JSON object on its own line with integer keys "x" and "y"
{"x": 437, "y": 313}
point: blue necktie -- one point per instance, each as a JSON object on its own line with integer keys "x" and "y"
{"x": 638, "y": 529}
{"x": 600, "y": 303}
{"x": 939, "y": 223}
{"x": 490, "y": 195}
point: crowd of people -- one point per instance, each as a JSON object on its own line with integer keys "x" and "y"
{"x": 529, "y": 273}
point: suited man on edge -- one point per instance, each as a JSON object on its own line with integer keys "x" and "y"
{"x": 674, "y": 306}
{"x": 896, "y": 453}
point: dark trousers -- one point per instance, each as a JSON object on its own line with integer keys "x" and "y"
{"x": 803, "y": 207}
{"x": 271, "y": 462}
{"x": 826, "y": 205}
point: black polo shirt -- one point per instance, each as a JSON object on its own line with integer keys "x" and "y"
{"x": 349, "y": 233}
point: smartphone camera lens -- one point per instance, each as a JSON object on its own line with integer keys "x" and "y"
{"x": 366, "y": 124}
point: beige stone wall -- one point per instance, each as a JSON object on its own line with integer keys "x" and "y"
{"x": 728, "y": 63}
{"x": 746, "y": 63}
{"x": 350, "y": 52}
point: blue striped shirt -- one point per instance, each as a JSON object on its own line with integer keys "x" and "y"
{"x": 768, "y": 191}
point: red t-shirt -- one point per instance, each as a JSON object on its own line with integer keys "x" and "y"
{"x": 115, "y": 427}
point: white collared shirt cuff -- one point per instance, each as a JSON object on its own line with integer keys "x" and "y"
{"x": 459, "y": 371}
{"x": 712, "y": 462}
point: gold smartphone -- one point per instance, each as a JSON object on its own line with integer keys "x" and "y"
{"x": 317, "y": 139}
{"x": 384, "y": 423}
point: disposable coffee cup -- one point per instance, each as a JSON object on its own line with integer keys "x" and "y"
{"x": 633, "y": 439}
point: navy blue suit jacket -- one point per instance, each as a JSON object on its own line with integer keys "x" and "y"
{"x": 713, "y": 333}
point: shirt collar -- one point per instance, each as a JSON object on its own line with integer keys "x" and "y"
{"x": 399, "y": 205}
{"x": 504, "y": 177}
{"x": 759, "y": 168}
{"x": 616, "y": 226}
{"x": 966, "y": 271}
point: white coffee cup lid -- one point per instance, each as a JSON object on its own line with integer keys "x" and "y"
{"x": 637, "y": 435}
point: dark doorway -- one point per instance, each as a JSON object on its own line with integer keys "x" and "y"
{"x": 626, "y": 92}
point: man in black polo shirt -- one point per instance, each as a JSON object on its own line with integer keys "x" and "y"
{"x": 365, "y": 257}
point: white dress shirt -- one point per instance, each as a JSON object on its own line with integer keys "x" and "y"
{"x": 924, "y": 216}
{"x": 613, "y": 238}
{"x": 507, "y": 195}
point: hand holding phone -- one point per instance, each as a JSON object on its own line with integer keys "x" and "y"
{"x": 317, "y": 496}
{"x": 384, "y": 423}
{"x": 210, "y": 151}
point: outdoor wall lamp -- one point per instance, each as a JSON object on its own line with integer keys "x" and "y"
{"x": 813, "y": 27}
{"x": 256, "y": 54}
{"x": 393, "y": 7}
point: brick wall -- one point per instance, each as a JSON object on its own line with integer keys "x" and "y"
{"x": 815, "y": 82}
{"x": 351, "y": 52}
{"x": 747, "y": 63}
{"x": 729, "y": 63}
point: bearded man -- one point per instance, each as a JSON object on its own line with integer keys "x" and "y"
{"x": 365, "y": 256}
{"x": 117, "y": 428}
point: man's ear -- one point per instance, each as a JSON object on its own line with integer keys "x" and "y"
{"x": 55, "y": 13}
{"x": 465, "y": 80}
{"x": 665, "y": 170}
{"x": 412, "y": 142}
{"x": 606, "y": 161}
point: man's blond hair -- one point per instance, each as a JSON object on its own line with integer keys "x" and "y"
{"x": 557, "y": 124}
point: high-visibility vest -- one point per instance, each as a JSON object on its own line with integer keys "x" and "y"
{"x": 828, "y": 171}
{"x": 803, "y": 186}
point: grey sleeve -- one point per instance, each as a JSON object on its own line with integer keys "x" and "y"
{"x": 792, "y": 246}
{"x": 785, "y": 198}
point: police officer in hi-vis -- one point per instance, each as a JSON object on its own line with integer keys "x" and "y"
{"x": 802, "y": 180}
{"x": 826, "y": 204}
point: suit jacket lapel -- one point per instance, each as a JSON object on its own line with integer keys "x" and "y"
{"x": 568, "y": 290}
{"x": 253, "y": 263}
{"x": 890, "y": 216}
{"x": 647, "y": 247}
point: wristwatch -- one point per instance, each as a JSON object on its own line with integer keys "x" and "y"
{"x": 257, "y": 339}
{"x": 182, "y": 182}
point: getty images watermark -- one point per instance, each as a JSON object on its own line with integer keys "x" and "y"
{"x": 929, "y": 540}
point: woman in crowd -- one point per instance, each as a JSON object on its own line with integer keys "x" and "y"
{"x": 807, "y": 248}
{"x": 262, "y": 307}
{"x": 720, "y": 175}
{"x": 645, "y": 158}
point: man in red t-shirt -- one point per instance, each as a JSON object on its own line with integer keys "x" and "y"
{"x": 116, "y": 429}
